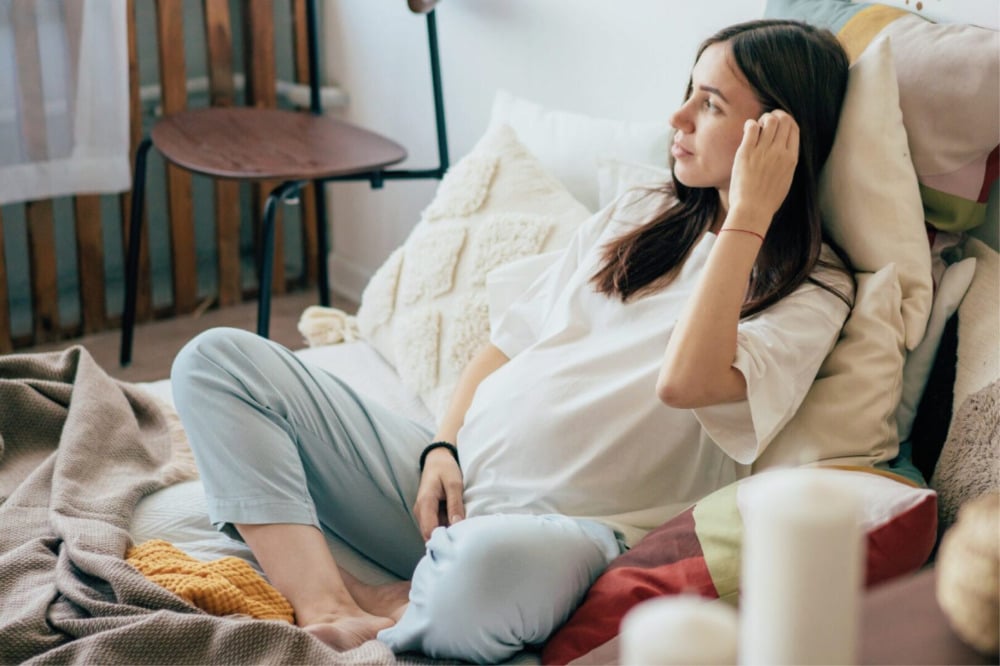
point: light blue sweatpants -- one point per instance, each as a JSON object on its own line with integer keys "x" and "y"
{"x": 278, "y": 441}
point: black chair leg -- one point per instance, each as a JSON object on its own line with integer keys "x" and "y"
{"x": 323, "y": 243}
{"x": 278, "y": 194}
{"x": 132, "y": 254}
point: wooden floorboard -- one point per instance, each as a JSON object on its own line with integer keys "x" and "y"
{"x": 157, "y": 342}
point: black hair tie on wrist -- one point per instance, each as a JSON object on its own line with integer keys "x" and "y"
{"x": 437, "y": 445}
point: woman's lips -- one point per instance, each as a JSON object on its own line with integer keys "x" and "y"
{"x": 678, "y": 151}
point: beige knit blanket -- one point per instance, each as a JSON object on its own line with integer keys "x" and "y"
{"x": 78, "y": 450}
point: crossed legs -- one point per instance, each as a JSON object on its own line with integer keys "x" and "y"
{"x": 286, "y": 451}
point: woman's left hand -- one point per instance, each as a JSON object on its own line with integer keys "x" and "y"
{"x": 439, "y": 496}
{"x": 764, "y": 166}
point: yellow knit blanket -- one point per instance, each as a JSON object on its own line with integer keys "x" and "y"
{"x": 220, "y": 587}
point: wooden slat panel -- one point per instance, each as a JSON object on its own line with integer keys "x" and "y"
{"x": 42, "y": 254}
{"x": 261, "y": 92}
{"x": 218, "y": 27}
{"x": 218, "y": 35}
{"x": 260, "y": 49}
{"x": 173, "y": 82}
{"x": 6, "y": 343}
{"x": 144, "y": 300}
{"x": 227, "y": 231}
{"x": 90, "y": 262}
{"x": 310, "y": 242}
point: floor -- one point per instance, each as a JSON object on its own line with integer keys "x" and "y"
{"x": 157, "y": 342}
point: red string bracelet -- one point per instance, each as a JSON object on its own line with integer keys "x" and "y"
{"x": 743, "y": 231}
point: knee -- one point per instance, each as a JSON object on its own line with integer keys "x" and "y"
{"x": 492, "y": 584}
{"x": 461, "y": 601}
{"x": 209, "y": 359}
{"x": 209, "y": 350}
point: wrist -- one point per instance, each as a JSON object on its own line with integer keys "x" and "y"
{"x": 748, "y": 218}
{"x": 437, "y": 446}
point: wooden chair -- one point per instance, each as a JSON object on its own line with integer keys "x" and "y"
{"x": 265, "y": 144}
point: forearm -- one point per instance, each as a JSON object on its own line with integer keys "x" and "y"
{"x": 698, "y": 367}
{"x": 484, "y": 363}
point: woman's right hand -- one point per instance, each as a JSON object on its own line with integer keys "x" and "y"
{"x": 764, "y": 166}
{"x": 439, "y": 497}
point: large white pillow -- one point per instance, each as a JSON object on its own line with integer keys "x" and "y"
{"x": 425, "y": 310}
{"x": 569, "y": 145}
{"x": 849, "y": 415}
{"x": 868, "y": 189}
{"x": 616, "y": 177}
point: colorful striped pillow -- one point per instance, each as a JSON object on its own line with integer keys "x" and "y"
{"x": 698, "y": 552}
{"x": 949, "y": 92}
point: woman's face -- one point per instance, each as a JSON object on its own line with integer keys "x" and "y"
{"x": 710, "y": 122}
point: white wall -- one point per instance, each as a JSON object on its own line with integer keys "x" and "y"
{"x": 627, "y": 59}
{"x": 624, "y": 59}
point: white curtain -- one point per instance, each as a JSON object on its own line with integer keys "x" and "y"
{"x": 64, "y": 98}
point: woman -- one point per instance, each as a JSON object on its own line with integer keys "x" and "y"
{"x": 647, "y": 367}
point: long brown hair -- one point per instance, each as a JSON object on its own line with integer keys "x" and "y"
{"x": 790, "y": 66}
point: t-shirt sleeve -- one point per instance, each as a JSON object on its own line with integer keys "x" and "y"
{"x": 509, "y": 286}
{"x": 779, "y": 351}
{"x": 520, "y": 294}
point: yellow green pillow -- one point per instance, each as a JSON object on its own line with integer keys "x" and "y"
{"x": 949, "y": 92}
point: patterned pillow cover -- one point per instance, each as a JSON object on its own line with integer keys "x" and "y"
{"x": 949, "y": 92}
{"x": 698, "y": 552}
{"x": 425, "y": 309}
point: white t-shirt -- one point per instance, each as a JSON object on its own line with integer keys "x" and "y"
{"x": 572, "y": 423}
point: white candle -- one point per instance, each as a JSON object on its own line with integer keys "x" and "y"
{"x": 802, "y": 562}
{"x": 684, "y": 629}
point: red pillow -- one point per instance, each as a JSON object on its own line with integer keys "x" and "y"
{"x": 698, "y": 552}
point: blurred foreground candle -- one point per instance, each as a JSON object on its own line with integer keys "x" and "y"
{"x": 802, "y": 570}
{"x": 684, "y": 629}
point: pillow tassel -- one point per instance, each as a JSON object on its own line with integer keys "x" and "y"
{"x": 321, "y": 325}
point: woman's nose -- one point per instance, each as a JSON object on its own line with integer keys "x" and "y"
{"x": 681, "y": 119}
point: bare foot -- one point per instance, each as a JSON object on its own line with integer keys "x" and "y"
{"x": 346, "y": 632}
{"x": 390, "y": 600}
{"x": 383, "y": 600}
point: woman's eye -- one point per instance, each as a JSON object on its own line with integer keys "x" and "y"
{"x": 709, "y": 104}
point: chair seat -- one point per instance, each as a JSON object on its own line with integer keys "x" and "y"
{"x": 270, "y": 144}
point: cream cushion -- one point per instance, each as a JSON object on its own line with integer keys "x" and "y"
{"x": 849, "y": 415}
{"x": 869, "y": 195}
{"x": 425, "y": 309}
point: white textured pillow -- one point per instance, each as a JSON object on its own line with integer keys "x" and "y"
{"x": 849, "y": 415}
{"x": 616, "y": 177}
{"x": 425, "y": 309}
{"x": 954, "y": 283}
{"x": 569, "y": 145}
{"x": 979, "y": 325}
{"x": 868, "y": 189}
